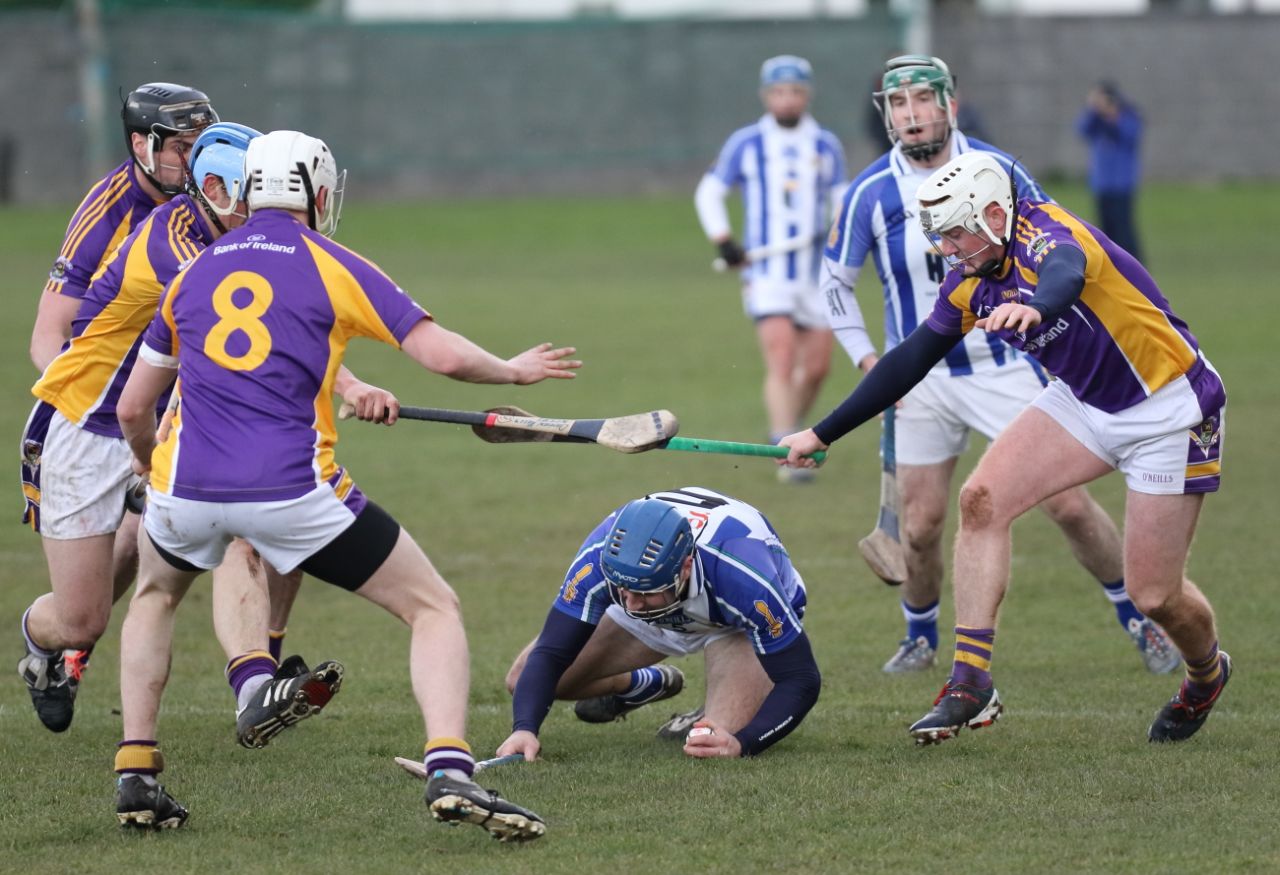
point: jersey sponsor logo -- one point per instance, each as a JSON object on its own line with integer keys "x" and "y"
{"x": 58, "y": 273}
{"x": 834, "y": 237}
{"x": 254, "y": 244}
{"x": 698, "y": 519}
{"x": 571, "y": 588}
{"x": 256, "y": 237}
{"x": 1040, "y": 341}
{"x": 774, "y": 624}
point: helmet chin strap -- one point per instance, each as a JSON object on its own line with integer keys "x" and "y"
{"x": 991, "y": 265}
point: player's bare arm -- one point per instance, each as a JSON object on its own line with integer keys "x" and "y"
{"x": 450, "y": 354}
{"x": 136, "y": 409}
{"x": 52, "y": 328}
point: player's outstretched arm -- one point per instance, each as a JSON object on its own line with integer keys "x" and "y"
{"x": 450, "y": 354}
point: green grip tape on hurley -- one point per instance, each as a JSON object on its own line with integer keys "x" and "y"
{"x": 734, "y": 448}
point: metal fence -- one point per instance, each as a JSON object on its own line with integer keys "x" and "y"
{"x": 607, "y": 106}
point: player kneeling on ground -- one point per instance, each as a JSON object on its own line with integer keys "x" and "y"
{"x": 670, "y": 574}
{"x": 257, "y": 327}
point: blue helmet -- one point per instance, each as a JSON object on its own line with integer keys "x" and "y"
{"x": 786, "y": 69}
{"x": 645, "y": 552}
{"x": 219, "y": 151}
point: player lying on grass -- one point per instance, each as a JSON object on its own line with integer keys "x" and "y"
{"x": 671, "y": 574}
{"x": 1133, "y": 393}
{"x": 257, "y": 327}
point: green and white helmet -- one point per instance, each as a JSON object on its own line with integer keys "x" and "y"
{"x": 906, "y": 73}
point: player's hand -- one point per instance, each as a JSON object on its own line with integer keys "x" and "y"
{"x": 522, "y": 741}
{"x": 1010, "y": 317}
{"x": 801, "y": 444}
{"x": 141, "y": 468}
{"x": 542, "y": 362}
{"x": 716, "y": 743}
{"x": 371, "y": 404}
{"x": 733, "y": 254}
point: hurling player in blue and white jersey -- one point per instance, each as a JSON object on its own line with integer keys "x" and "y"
{"x": 670, "y": 574}
{"x": 981, "y": 384}
{"x": 790, "y": 172}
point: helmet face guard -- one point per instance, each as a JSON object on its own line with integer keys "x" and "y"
{"x": 907, "y": 73}
{"x": 645, "y": 553}
{"x": 158, "y": 111}
{"x": 220, "y": 151}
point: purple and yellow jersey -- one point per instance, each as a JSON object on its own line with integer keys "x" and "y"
{"x": 85, "y": 380}
{"x": 742, "y": 575}
{"x": 106, "y": 216}
{"x": 1117, "y": 345}
{"x": 258, "y": 324}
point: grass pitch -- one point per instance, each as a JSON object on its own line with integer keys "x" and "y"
{"x": 1066, "y": 782}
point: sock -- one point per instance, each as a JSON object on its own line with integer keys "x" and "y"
{"x": 922, "y": 622}
{"x": 139, "y": 757}
{"x": 33, "y": 647}
{"x": 1125, "y": 611}
{"x": 1204, "y": 675}
{"x": 972, "y": 664}
{"x": 646, "y": 683}
{"x": 247, "y": 673}
{"x": 275, "y": 642}
{"x": 451, "y": 756}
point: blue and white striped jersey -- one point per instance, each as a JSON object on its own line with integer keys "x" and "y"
{"x": 742, "y": 575}
{"x": 879, "y": 216}
{"x": 790, "y": 178}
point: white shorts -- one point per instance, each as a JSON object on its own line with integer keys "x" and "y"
{"x": 285, "y": 533}
{"x": 800, "y": 301}
{"x": 936, "y": 416}
{"x": 83, "y": 479}
{"x": 1163, "y": 445}
{"x": 667, "y": 641}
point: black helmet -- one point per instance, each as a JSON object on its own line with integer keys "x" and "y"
{"x": 159, "y": 110}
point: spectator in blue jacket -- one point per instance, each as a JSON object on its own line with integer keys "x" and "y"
{"x": 1113, "y": 128}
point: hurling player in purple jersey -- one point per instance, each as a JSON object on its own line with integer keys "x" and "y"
{"x": 1133, "y": 393}
{"x": 975, "y": 390}
{"x": 257, "y": 326}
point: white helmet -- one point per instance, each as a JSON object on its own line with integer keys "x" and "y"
{"x": 958, "y": 193}
{"x": 288, "y": 170}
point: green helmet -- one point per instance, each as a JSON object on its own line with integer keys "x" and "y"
{"x": 907, "y": 72}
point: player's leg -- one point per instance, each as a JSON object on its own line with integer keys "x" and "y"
{"x": 407, "y": 585}
{"x": 1096, "y": 543}
{"x": 924, "y": 492}
{"x": 1158, "y": 533}
{"x": 777, "y": 336}
{"x": 283, "y": 590}
{"x": 124, "y": 556}
{"x": 1032, "y": 459}
{"x": 618, "y": 656}
{"x": 813, "y": 363}
{"x": 146, "y": 646}
{"x": 736, "y": 682}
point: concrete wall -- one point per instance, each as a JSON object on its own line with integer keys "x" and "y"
{"x": 602, "y": 106}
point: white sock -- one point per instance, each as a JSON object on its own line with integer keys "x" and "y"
{"x": 250, "y": 689}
